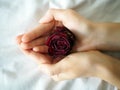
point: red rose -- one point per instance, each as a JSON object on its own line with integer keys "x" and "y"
{"x": 60, "y": 42}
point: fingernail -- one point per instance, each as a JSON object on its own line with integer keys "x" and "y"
{"x": 23, "y": 39}
{"x": 35, "y": 49}
{"x": 46, "y": 19}
{"x": 43, "y": 20}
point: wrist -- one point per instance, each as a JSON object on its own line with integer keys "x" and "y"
{"x": 107, "y": 36}
{"x": 99, "y": 66}
{"x": 102, "y": 69}
{"x": 100, "y": 36}
{"x": 107, "y": 69}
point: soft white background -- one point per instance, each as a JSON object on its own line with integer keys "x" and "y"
{"x": 18, "y": 72}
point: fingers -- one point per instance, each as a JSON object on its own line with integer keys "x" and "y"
{"x": 62, "y": 15}
{"x": 56, "y": 71}
{"x": 39, "y": 57}
{"x": 42, "y": 49}
{"x": 36, "y": 42}
{"x": 54, "y": 14}
{"x": 41, "y": 30}
{"x": 62, "y": 70}
{"x": 18, "y": 39}
{"x": 50, "y": 69}
{"x": 61, "y": 76}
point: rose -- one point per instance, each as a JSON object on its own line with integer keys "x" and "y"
{"x": 60, "y": 42}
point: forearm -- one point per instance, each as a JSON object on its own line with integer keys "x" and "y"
{"x": 108, "y": 69}
{"x": 107, "y": 36}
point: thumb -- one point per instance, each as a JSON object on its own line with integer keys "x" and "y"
{"x": 55, "y": 14}
{"x": 50, "y": 69}
{"x": 67, "y": 17}
{"x": 56, "y": 71}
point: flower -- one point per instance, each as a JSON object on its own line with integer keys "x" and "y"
{"x": 60, "y": 42}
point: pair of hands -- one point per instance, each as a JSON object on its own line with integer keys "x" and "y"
{"x": 82, "y": 63}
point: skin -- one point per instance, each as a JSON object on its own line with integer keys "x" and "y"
{"x": 90, "y": 36}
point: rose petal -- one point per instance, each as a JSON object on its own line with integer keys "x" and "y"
{"x": 60, "y": 42}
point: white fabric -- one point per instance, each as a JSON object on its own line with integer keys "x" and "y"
{"x": 18, "y": 72}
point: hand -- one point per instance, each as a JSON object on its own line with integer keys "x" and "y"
{"x": 92, "y": 63}
{"x": 72, "y": 66}
{"x": 38, "y": 57}
{"x": 80, "y": 64}
{"x": 81, "y": 27}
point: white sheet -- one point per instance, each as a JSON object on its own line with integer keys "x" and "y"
{"x": 18, "y": 72}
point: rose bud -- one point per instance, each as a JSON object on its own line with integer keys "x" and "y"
{"x": 60, "y": 42}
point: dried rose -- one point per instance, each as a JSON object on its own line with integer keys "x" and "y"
{"x": 60, "y": 42}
